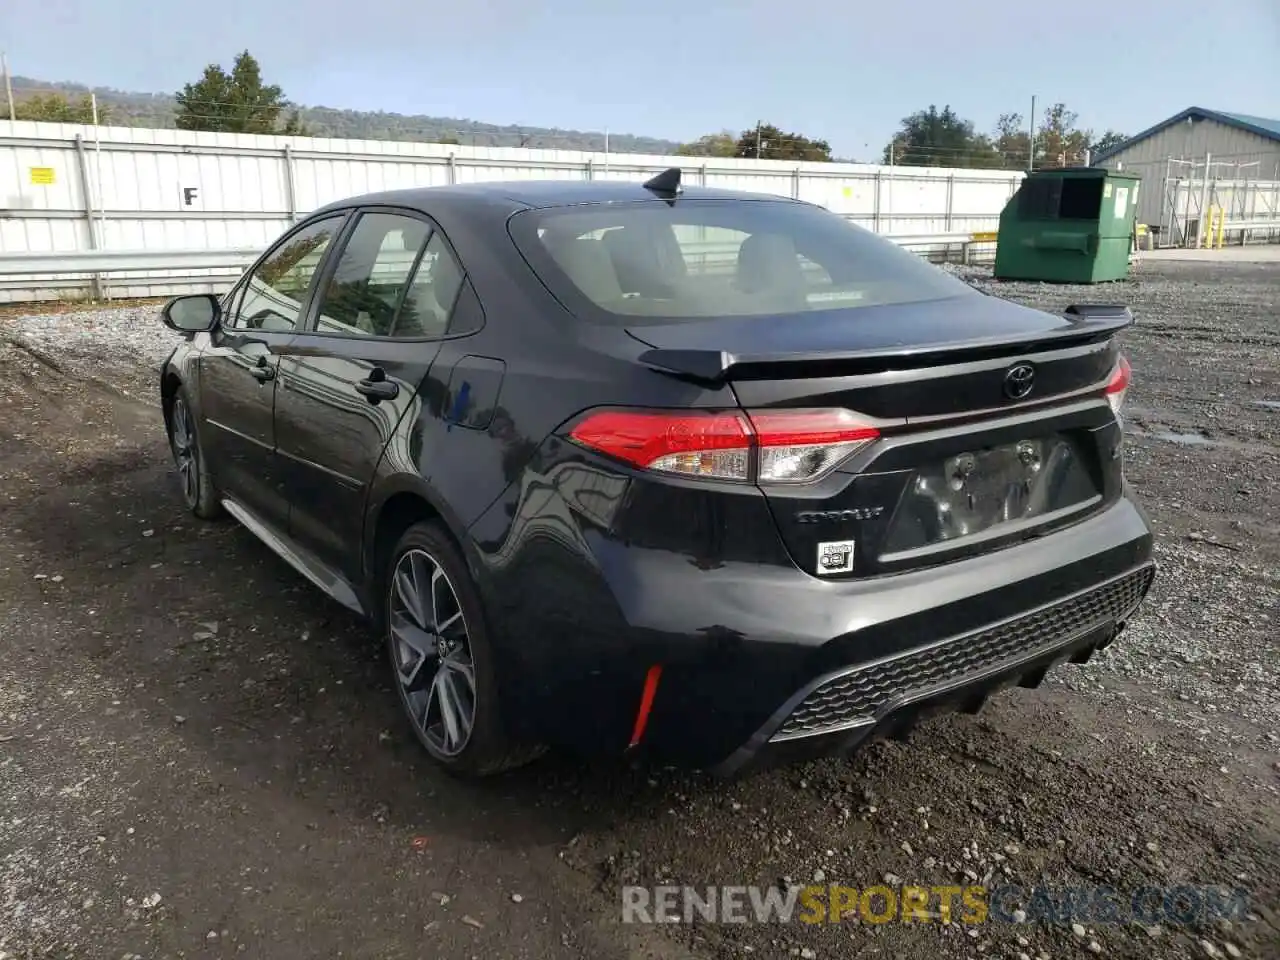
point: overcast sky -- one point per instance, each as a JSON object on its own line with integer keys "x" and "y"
{"x": 843, "y": 70}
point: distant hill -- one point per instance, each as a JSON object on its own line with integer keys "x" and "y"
{"x": 157, "y": 110}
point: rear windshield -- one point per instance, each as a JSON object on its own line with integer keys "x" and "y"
{"x": 628, "y": 262}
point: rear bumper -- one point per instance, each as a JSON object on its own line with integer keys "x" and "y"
{"x": 887, "y": 697}
{"x": 766, "y": 662}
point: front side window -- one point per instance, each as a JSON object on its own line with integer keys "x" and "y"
{"x": 274, "y": 292}
{"x": 658, "y": 262}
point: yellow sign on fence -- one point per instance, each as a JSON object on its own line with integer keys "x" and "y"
{"x": 988, "y": 237}
{"x": 43, "y": 176}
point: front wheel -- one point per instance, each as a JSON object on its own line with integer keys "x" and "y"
{"x": 441, "y": 657}
{"x": 198, "y": 490}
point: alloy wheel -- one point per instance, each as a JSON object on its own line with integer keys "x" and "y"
{"x": 431, "y": 652}
{"x": 186, "y": 453}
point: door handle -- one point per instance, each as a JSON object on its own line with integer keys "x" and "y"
{"x": 377, "y": 387}
{"x": 262, "y": 371}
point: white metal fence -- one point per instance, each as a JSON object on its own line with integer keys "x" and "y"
{"x": 1250, "y": 209}
{"x": 67, "y": 188}
{"x": 1178, "y": 196}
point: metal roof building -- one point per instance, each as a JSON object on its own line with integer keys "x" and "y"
{"x": 1202, "y": 157}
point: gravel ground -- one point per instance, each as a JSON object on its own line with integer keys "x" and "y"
{"x": 197, "y": 757}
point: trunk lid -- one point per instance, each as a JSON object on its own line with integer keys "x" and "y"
{"x": 911, "y": 361}
{"x": 992, "y": 419}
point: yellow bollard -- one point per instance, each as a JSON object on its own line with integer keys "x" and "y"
{"x": 1206, "y": 238}
{"x": 1222, "y": 227}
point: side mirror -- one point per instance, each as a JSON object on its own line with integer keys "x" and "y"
{"x": 194, "y": 313}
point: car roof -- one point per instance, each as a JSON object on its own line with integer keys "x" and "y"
{"x": 536, "y": 194}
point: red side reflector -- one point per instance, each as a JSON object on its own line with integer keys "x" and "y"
{"x": 646, "y": 703}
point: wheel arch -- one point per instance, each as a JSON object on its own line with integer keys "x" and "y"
{"x": 178, "y": 371}
{"x": 399, "y": 503}
{"x": 170, "y": 383}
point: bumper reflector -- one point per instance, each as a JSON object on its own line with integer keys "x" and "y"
{"x": 646, "y": 703}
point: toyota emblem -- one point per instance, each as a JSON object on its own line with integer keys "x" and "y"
{"x": 1019, "y": 380}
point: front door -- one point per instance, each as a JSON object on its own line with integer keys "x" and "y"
{"x": 239, "y": 369}
{"x": 353, "y": 373}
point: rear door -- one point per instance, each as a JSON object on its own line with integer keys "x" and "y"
{"x": 354, "y": 372}
{"x": 238, "y": 370}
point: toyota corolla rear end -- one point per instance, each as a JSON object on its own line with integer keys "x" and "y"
{"x": 890, "y": 495}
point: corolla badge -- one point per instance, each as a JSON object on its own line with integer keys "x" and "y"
{"x": 1019, "y": 381}
{"x": 836, "y": 516}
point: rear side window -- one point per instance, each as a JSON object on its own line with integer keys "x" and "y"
{"x": 651, "y": 260}
{"x": 395, "y": 278}
{"x": 432, "y": 293}
{"x": 372, "y": 275}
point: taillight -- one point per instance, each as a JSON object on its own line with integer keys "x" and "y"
{"x": 773, "y": 446}
{"x": 800, "y": 445}
{"x": 1118, "y": 385}
{"x": 712, "y": 445}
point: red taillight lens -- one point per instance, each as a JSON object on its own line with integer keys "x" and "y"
{"x": 1118, "y": 385}
{"x": 715, "y": 445}
{"x": 793, "y": 446}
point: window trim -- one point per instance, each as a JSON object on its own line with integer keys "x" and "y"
{"x": 312, "y": 316}
{"x": 235, "y": 296}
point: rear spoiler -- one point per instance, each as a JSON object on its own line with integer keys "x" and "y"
{"x": 1099, "y": 311}
{"x": 1090, "y": 322}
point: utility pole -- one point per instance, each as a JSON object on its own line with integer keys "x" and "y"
{"x": 758, "y": 147}
{"x": 8, "y": 85}
{"x": 1031, "y": 137}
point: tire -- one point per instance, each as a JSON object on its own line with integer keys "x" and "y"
{"x": 444, "y": 679}
{"x": 194, "y": 480}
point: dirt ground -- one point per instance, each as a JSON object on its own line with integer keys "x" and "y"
{"x": 201, "y": 757}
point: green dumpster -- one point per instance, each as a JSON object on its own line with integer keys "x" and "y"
{"x": 1073, "y": 225}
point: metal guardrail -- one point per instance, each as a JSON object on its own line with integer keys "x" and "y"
{"x": 121, "y": 261}
{"x": 1237, "y": 226}
{"x": 152, "y": 273}
{"x": 90, "y": 262}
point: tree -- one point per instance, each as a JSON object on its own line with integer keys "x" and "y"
{"x": 936, "y": 138}
{"x": 1108, "y": 141}
{"x": 942, "y": 138}
{"x": 767, "y": 142}
{"x": 294, "y": 127}
{"x": 1011, "y": 140}
{"x": 55, "y": 108}
{"x": 722, "y": 144}
{"x": 235, "y": 102}
{"x": 1059, "y": 142}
